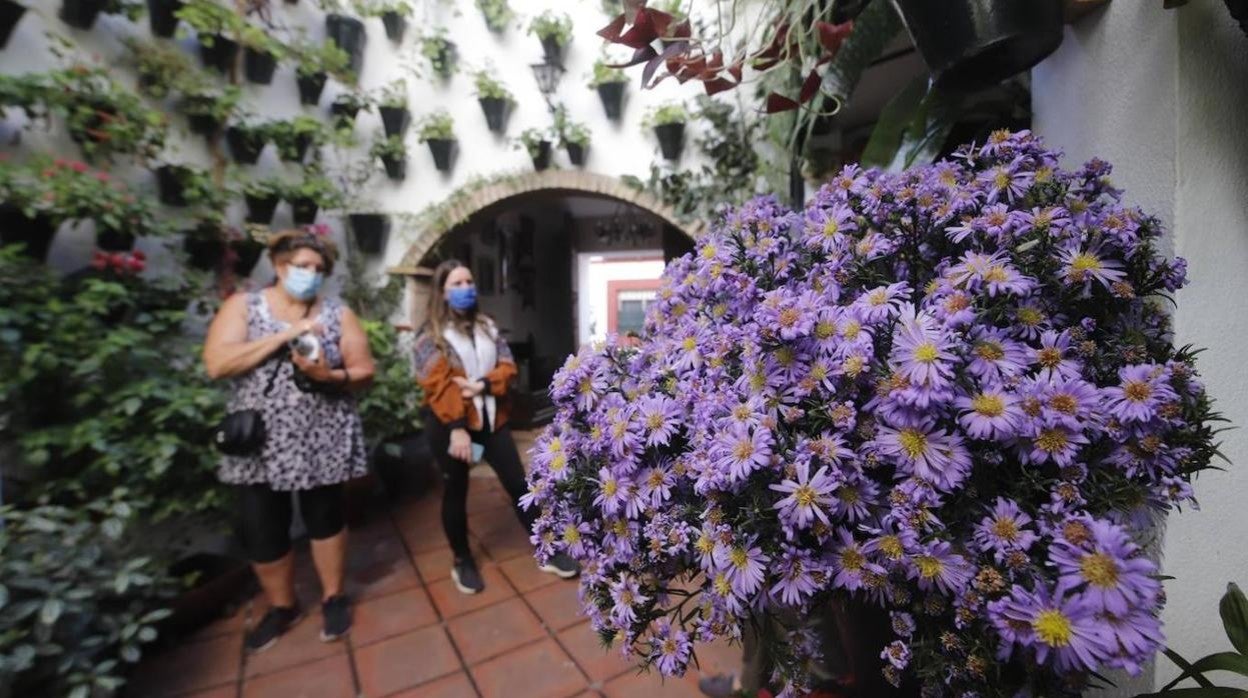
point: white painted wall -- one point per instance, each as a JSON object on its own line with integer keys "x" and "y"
{"x": 1161, "y": 94}
{"x": 594, "y": 271}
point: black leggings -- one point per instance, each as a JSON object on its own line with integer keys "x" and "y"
{"x": 500, "y": 452}
{"x": 264, "y": 518}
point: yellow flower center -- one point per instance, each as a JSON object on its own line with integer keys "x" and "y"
{"x": 689, "y": 344}
{"x": 722, "y": 586}
{"x": 1051, "y": 440}
{"x": 996, "y": 274}
{"x": 743, "y": 450}
{"x": 1001, "y": 179}
{"x": 913, "y": 442}
{"x": 1049, "y": 357}
{"x": 824, "y": 329}
{"x": 610, "y": 487}
{"x": 926, "y": 353}
{"x": 654, "y": 421}
{"x": 1064, "y": 403}
{"x": 988, "y": 405}
{"x": 852, "y": 328}
{"x": 587, "y": 386}
{"x": 805, "y": 496}
{"x": 852, "y": 560}
{"x": 831, "y": 228}
{"x": 1005, "y": 529}
{"x": 556, "y": 445}
{"x": 709, "y": 251}
{"x": 558, "y": 462}
{"x": 740, "y": 558}
{"x": 989, "y": 351}
{"x": 1100, "y": 570}
{"x": 789, "y": 317}
{"x": 1137, "y": 391}
{"x": 655, "y": 479}
{"x": 891, "y": 547}
{"x": 878, "y": 297}
{"x": 1053, "y": 628}
{"x": 853, "y": 366}
{"x": 929, "y": 567}
{"x": 1030, "y": 316}
{"x": 571, "y": 535}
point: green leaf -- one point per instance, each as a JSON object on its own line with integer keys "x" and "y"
{"x": 922, "y": 141}
{"x": 147, "y": 634}
{"x": 1221, "y": 661}
{"x": 1186, "y": 666}
{"x": 893, "y": 122}
{"x": 4, "y": 596}
{"x": 1234, "y": 611}
{"x": 131, "y": 653}
{"x": 1199, "y": 692}
{"x": 875, "y": 26}
{"x": 82, "y": 690}
{"x": 51, "y": 611}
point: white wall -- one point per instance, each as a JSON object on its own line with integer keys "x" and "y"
{"x": 1161, "y": 94}
{"x": 594, "y": 271}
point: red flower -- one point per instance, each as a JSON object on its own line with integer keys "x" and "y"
{"x": 138, "y": 254}
{"x": 102, "y": 176}
{"x": 135, "y": 265}
{"x": 99, "y": 261}
{"x": 79, "y": 166}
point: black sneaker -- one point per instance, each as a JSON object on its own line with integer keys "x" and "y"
{"x": 336, "y": 613}
{"x": 561, "y": 565}
{"x": 466, "y": 576}
{"x": 273, "y": 625}
{"x": 718, "y": 686}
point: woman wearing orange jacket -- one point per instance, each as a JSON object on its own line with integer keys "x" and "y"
{"x": 466, "y": 370}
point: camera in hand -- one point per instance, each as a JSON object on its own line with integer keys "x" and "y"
{"x": 307, "y": 346}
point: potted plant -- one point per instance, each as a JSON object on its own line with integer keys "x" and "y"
{"x": 10, "y": 14}
{"x": 395, "y": 115}
{"x": 610, "y": 83}
{"x": 438, "y": 131}
{"x": 440, "y": 53}
{"x": 23, "y": 218}
{"x": 216, "y": 28}
{"x": 316, "y": 64}
{"x": 81, "y": 14}
{"x": 261, "y": 54}
{"x": 970, "y": 44}
{"x": 393, "y": 14}
{"x": 554, "y": 30}
{"x": 160, "y": 67}
{"x": 668, "y": 122}
{"x": 243, "y": 250}
{"x": 207, "y": 108}
{"x": 494, "y": 98}
{"x": 162, "y": 16}
{"x": 393, "y": 154}
{"x": 497, "y": 14}
{"x": 348, "y": 34}
{"x": 345, "y": 107}
{"x": 246, "y": 142}
{"x": 261, "y": 197}
{"x": 310, "y": 195}
{"x": 178, "y": 185}
{"x": 537, "y": 143}
{"x": 294, "y": 137}
{"x": 205, "y": 243}
{"x": 575, "y": 139}
{"x": 102, "y": 117}
{"x": 369, "y": 231}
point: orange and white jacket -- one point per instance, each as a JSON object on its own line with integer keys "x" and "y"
{"x": 437, "y": 366}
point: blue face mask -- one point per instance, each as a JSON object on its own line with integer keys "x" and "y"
{"x": 462, "y": 297}
{"x": 302, "y": 283}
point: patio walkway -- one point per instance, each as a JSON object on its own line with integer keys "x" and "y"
{"x": 415, "y": 634}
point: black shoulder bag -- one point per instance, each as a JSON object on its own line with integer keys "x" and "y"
{"x": 241, "y": 433}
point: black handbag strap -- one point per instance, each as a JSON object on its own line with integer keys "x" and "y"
{"x": 277, "y": 365}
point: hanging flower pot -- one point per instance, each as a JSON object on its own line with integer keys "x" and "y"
{"x": 671, "y": 139}
{"x": 219, "y": 53}
{"x": 170, "y": 183}
{"x": 260, "y": 208}
{"x": 396, "y": 167}
{"x": 553, "y": 50}
{"x": 612, "y": 96}
{"x": 162, "y": 17}
{"x": 246, "y": 252}
{"x": 80, "y": 14}
{"x": 246, "y": 143}
{"x": 310, "y": 87}
{"x": 442, "y": 149}
{"x": 35, "y": 233}
{"x": 495, "y": 109}
{"x": 304, "y": 210}
{"x": 349, "y": 35}
{"x": 259, "y": 66}
{"x": 395, "y": 120}
{"x": 202, "y": 123}
{"x": 111, "y": 240}
{"x": 396, "y": 25}
{"x": 576, "y": 153}
{"x": 204, "y": 246}
{"x": 297, "y": 149}
{"x": 369, "y": 231}
{"x": 10, "y": 14}
{"x": 970, "y": 44}
{"x": 343, "y": 112}
{"x": 541, "y": 158}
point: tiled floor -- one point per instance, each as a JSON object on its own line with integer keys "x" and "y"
{"x": 415, "y": 635}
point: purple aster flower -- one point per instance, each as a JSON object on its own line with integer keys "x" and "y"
{"x": 1053, "y": 444}
{"x": 1082, "y": 267}
{"x": 660, "y": 418}
{"x": 1052, "y": 358}
{"x": 788, "y": 314}
{"x": 1005, "y": 530}
{"x": 921, "y": 450}
{"x": 1143, "y": 390}
{"x": 896, "y": 653}
{"x": 742, "y": 450}
{"x": 1106, "y": 568}
{"x": 744, "y": 563}
{"x": 826, "y": 228}
{"x": 993, "y": 413}
{"x": 612, "y": 492}
{"x": 1073, "y": 404}
{"x": 850, "y": 564}
{"x": 1006, "y": 180}
{"x": 902, "y": 623}
{"x": 796, "y": 581}
{"x": 807, "y": 498}
{"x": 921, "y": 352}
{"x": 656, "y": 485}
{"x": 1064, "y": 632}
{"x": 671, "y": 649}
{"x": 996, "y": 357}
{"x": 936, "y": 566}
{"x": 626, "y": 593}
{"x": 882, "y": 302}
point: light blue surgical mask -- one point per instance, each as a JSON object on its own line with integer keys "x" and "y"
{"x": 462, "y": 297}
{"x": 303, "y": 283}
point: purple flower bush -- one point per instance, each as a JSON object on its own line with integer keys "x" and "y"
{"x": 950, "y": 392}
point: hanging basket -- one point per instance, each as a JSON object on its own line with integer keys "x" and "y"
{"x": 971, "y": 44}
{"x": 343, "y": 113}
{"x": 246, "y": 144}
{"x": 220, "y": 55}
{"x": 304, "y": 211}
{"x": 396, "y": 168}
{"x": 349, "y": 35}
{"x": 204, "y": 247}
{"x": 612, "y": 96}
{"x": 162, "y": 17}
{"x": 80, "y": 14}
{"x": 10, "y": 14}
{"x": 552, "y": 50}
{"x": 370, "y": 231}
{"x": 495, "y": 109}
{"x": 169, "y": 184}
{"x": 111, "y": 240}
{"x": 310, "y": 88}
{"x": 396, "y": 25}
{"x": 35, "y": 233}
{"x": 541, "y": 160}
{"x": 260, "y": 208}
{"x": 671, "y": 139}
{"x": 576, "y": 153}
{"x": 298, "y": 150}
{"x": 395, "y": 120}
{"x": 443, "y": 151}
{"x": 247, "y": 253}
{"x": 259, "y": 66}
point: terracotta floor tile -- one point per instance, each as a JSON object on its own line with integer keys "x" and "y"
{"x": 494, "y": 521}
{"x": 540, "y": 670}
{"x": 507, "y": 543}
{"x": 423, "y": 538}
{"x": 601, "y": 663}
{"x": 230, "y": 690}
{"x": 491, "y": 631}
{"x": 450, "y": 602}
{"x": 719, "y": 657}
{"x": 453, "y": 686}
{"x": 325, "y": 678}
{"x": 190, "y": 667}
{"x": 524, "y": 575}
{"x": 300, "y": 645}
{"x": 231, "y": 622}
{"x": 384, "y": 575}
{"x": 436, "y": 564}
{"x": 377, "y": 619}
{"x": 557, "y": 604}
{"x": 652, "y": 685}
{"x": 405, "y": 661}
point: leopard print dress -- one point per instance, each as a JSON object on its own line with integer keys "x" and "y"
{"x": 311, "y": 439}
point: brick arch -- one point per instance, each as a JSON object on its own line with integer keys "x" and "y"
{"x": 462, "y": 205}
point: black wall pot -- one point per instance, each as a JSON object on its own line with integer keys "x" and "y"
{"x": 245, "y": 144}
{"x": 161, "y": 16}
{"x": 169, "y": 184}
{"x": 970, "y": 44}
{"x": 396, "y": 25}
{"x": 259, "y": 66}
{"x": 310, "y": 87}
{"x": 395, "y": 120}
{"x": 304, "y": 211}
{"x": 576, "y": 153}
{"x": 220, "y": 55}
{"x": 369, "y": 231}
{"x": 35, "y": 233}
{"x": 612, "y": 96}
{"x": 247, "y": 255}
{"x": 301, "y": 145}
{"x": 203, "y": 124}
{"x": 343, "y": 113}
{"x": 204, "y": 248}
{"x": 114, "y": 240}
{"x": 443, "y": 150}
{"x": 541, "y": 161}
{"x": 671, "y": 139}
{"x": 396, "y": 168}
{"x": 10, "y": 14}
{"x": 80, "y": 14}
{"x": 260, "y": 209}
{"x": 348, "y": 33}
{"x": 552, "y": 50}
{"x": 495, "y": 109}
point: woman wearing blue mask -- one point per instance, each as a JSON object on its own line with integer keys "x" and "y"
{"x": 313, "y": 440}
{"x": 465, "y": 368}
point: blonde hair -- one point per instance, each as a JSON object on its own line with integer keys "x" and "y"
{"x": 282, "y": 246}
